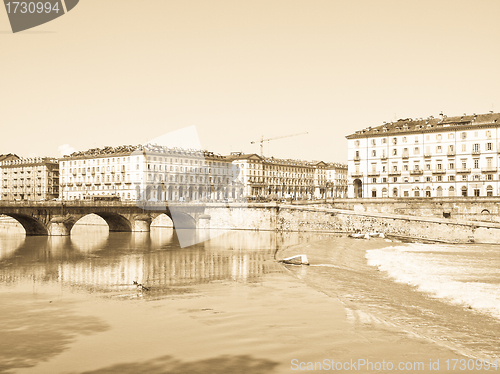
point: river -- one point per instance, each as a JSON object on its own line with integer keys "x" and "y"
{"x": 100, "y": 302}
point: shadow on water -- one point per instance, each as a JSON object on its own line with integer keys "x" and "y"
{"x": 29, "y": 337}
{"x": 169, "y": 365}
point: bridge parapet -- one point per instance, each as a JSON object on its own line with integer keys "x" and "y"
{"x": 58, "y": 217}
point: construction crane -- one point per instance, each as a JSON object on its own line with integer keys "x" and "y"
{"x": 278, "y": 137}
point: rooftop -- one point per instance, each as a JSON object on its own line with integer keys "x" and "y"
{"x": 29, "y": 161}
{"x": 141, "y": 149}
{"x": 8, "y": 157}
{"x": 430, "y": 124}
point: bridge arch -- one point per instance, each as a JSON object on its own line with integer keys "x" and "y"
{"x": 31, "y": 225}
{"x": 115, "y": 221}
{"x": 182, "y": 220}
{"x": 162, "y": 220}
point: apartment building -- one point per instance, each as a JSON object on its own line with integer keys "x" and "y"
{"x": 432, "y": 157}
{"x": 148, "y": 172}
{"x": 336, "y": 180}
{"x": 274, "y": 178}
{"x": 29, "y": 179}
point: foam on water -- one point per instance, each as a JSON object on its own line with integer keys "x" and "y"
{"x": 460, "y": 275}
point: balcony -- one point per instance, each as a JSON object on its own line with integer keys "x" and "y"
{"x": 439, "y": 171}
{"x": 373, "y": 173}
{"x": 416, "y": 172}
{"x": 394, "y": 172}
{"x": 489, "y": 169}
{"x": 357, "y": 158}
{"x": 427, "y": 155}
{"x": 463, "y": 170}
{"x": 406, "y": 156}
{"x": 450, "y": 154}
{"x": 356, "y": 174}
{"x": 383, "y": 157}
{"x": 476, "y": 152}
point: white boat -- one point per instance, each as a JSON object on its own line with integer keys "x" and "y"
{"x": 296, "y": 260}
{"x": 367, "y": 235}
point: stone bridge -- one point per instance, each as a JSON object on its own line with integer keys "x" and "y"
{"x": 58, "y": 218}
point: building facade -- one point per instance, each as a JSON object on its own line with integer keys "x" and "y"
{"x": 157, "y": 173}
{"x": 5, "y": 157}
{"x": 148, "y": 172}
{"x": 30, "y": 179}
{"x": 273, "y": 178}
{"x": 432, "y": 157}
{"x": 336, "y": 180}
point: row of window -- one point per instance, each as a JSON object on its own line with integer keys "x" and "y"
{"x": 450, "y": 136}
{"x": 439, "y": 193}
{"x": 439, "y": 178}
{"x": 439, "y": 166}
{"x": 139, "y": 158}
{"x": 439, "y": 149}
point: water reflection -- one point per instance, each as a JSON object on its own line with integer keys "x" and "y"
{"x": 93, "y": 259}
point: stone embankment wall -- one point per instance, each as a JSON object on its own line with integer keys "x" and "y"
{"x": 485, "y": 209}
{"x": 242, "y": 216}
{"x": 308, "y": 218}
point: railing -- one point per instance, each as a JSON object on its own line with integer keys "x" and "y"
{"x": 357, "y": 158}
{"x": 384, "y": 157}
{"x": 373, "y": 173}
{"x": 427, "y": 155}
{"x": 439, "y": 171}
{"x": 476, "y": 152}
{"x": 450, "y": 153}
{"x": 406, "y": 155}
{"x": 463, "y": 170}
{"x": 356, "y": 175}
{"x": 395, "y": 172}
{"x": 416, "y": 172}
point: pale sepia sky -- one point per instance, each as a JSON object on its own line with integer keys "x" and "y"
{"x": 114, "y": 72}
